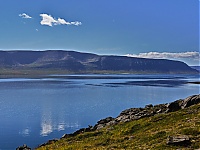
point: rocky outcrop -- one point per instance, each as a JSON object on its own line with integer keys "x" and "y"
{"x": 49, "y": 142}
{"x": 138, "y": 113}
{"x": 174, "y": 106}
{"x": 195, "y": 99}
{"x": 178, "y": 140}
{"x": 104, "y": 122}
{"x": 24, "y": 147}
{"x": 149, "y": 110}
{"x": 183, "y": 103}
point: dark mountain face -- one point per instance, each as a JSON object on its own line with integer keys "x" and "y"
{"x": 75, "y": 61}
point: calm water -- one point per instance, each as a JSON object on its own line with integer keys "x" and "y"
{"x": 34, "y": 110}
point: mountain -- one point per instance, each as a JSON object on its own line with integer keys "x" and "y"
{"x": 196, "y": 67}
{"x": 87, "y": 62}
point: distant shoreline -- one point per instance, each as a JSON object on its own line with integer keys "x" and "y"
{"x": 195, "y": 82}
{"x": 14, "y": 72}
{"x": 69, "y": 75}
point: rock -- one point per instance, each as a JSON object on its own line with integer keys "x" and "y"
{"x": 48, "y": 142}
{"x": 123, "y": 118}
{"x": 137, "y": 113}
{"x": 160, "y": 108}
{"x": 178, "y": 140}
{"x": 106, "y": 120}
{"x": 99, "y": 126}
{"x": 174, "y": 106}
{"x": 82, "y": 130}
{"x": 103, "y": 122}
{"x": 65, "y": 136}
{"x": 191, "y": 100}
{"x": 149, "y": 106}
{"x": 24, "y": 147}
{"x": 181, "y": 104}
{"x": 130, "y": 111}
{"x": 113, "y": 122}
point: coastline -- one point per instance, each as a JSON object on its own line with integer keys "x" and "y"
{"x": 132, "y": 114}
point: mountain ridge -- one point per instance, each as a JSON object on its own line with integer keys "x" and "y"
{"x": 84, "y": 62}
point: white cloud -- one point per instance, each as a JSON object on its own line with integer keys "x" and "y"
{"x": 25, "y": 16}
{"x": 47, "y": 20}
{"x": 191, "y": 58}
{"x": 167, "y": 55}
{"x": 50, "y": 21}
{"x": 76, "y": 23}
{"x": 62, "y": 21}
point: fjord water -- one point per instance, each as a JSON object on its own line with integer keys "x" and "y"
{"x": 34, "y": 110}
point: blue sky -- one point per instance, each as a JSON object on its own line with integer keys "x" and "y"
{"x": 118, "y": 27}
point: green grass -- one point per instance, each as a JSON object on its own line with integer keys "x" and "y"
{"x": 34, "y": 71}
{"x": 147, "y": 133}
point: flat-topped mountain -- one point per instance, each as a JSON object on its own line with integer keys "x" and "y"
{"x": 87, "y": 62}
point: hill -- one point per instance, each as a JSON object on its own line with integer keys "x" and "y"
{"x": 166, "y": 126}
{"x": 76, "y": 62}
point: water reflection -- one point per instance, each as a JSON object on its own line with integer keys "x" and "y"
{"x": 44, "y": 109}
{"x": 61, "y": 126}
{"x": 46, "y": 128}
{"x": 53, "y": 120}
{"x": 160, "y": 83}
{"x": 49, "y": 127}
{"x": 25, "y": 132}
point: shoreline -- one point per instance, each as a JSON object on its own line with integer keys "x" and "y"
{"x": 132, "y": 114}
{"x": 19, "y": 72}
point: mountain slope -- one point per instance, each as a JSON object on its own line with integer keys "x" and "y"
{"x": 86, "y": 62}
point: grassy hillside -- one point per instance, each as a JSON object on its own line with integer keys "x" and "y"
{"x": 146, "y": 133}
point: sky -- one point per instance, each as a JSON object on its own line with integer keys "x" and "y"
{"x": 135, "y": 28}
